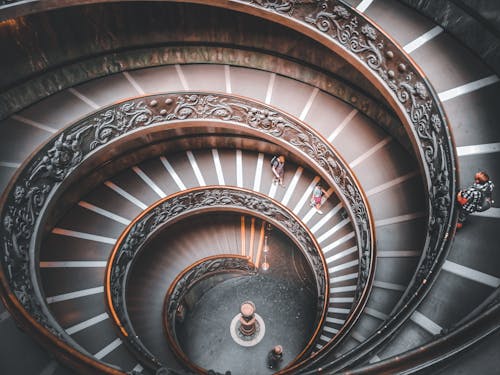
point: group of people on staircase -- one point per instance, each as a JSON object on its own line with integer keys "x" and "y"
{"x": 278, "y": 168}
{"x": 475, "y": 198}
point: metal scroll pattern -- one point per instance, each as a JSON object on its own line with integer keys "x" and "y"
{"x": 428, "y": 127}
{"x": 190, "y": 277}
{"x": 41, "y": 177}
{"x": 204, "y": 198}
{"x": 410, "y": 89}
{"x": 198, "y": 272}
{"x": 189, "y": 202}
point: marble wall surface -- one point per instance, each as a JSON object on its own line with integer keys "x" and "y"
{"x": 476, "y": 23}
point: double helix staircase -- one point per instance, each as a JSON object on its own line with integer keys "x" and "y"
{"x": 73, "y": 255}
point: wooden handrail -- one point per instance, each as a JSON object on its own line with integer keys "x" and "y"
{"x": 389, "y": 68}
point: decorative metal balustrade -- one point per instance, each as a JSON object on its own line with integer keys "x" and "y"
{"x": 187, "y": 279}
{"x": 195, "y": 273}
{"x": 28, "y": 198}
{"x": 347, "y": 33}
{"x": 192, "y": 202}
{"x": 353, "y": 36}
{"x": 383, "y": 62}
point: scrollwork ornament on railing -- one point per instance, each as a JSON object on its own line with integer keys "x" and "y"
{"x": 209, "y": 198}
{"x": 202, "y": 106}
{"x": 341, "y": 25}
{"x": 280, "y": 6}
{"x": 41, "y": 177}
{"x": 195, "y": 274}
{"x": 112, "y": 123}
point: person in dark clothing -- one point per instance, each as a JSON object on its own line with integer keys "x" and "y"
{"x": 275, "y": 357}
{"x": 476, "y": 197}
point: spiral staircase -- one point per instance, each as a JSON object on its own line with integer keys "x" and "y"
{"x": 372, "y": 99}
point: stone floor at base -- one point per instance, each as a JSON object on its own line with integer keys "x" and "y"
{"x": 284, "y": 298}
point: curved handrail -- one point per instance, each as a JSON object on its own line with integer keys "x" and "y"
{"x": 190, "y": 202}
{"x": 418, "y": 106}
{"x": 206, "y": 267}
{"x": 394, "y": 73}
{"x": 357, "y": 39}
{"x": 45, "y": 175}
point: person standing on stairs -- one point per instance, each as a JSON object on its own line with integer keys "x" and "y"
{"x": 475, "y": 198}
{"x": 278, "y": 168}
{"x": 317, "y": 198}
{"x": 275, "y": 357}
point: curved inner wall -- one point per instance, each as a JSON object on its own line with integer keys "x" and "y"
{"x": 284, "y": 295}
{"x": 84, "y": 42}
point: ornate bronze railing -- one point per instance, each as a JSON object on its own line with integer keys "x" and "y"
{"x": 27, "y": 202}
{"x": 352, "y": 36}
{"x": 398, "y": 78}
{"x": 392, "y": 71}
{"x": 357, "y": 39}
{"x": 383, "y": 62}
{"x": 191, "y": 202}
{"x": 186, "y": 280}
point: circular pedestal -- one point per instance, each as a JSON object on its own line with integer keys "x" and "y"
{"x": 247, "y": 340}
